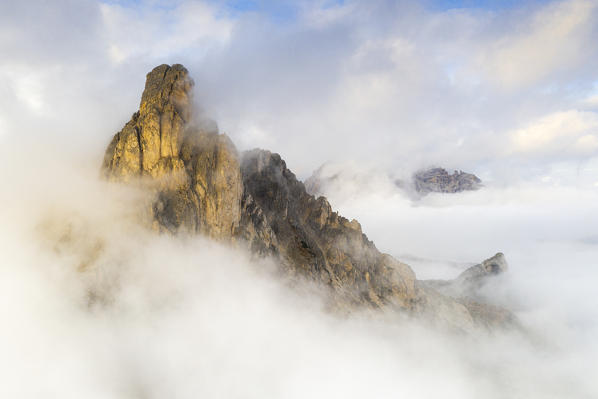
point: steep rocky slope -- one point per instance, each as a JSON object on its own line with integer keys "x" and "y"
{"x": 202, "y": 185}
{"x": 313, "y": 240}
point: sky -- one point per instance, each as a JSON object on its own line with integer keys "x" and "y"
{"x": 374, "y": 90}
{"x": 507, "y": 90}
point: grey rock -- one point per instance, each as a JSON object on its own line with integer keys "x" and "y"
{"x": 466, "y": 287}
{"x": 313, "y": 241}
{"x": 440, "y": 181}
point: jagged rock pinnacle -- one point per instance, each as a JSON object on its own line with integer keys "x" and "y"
{"x": 195, "y": 171}
{"x": 149, "y": 143}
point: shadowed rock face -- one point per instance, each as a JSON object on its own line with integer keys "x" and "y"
{"x": 313, "y": 240}
{"x": 202, "y": 185}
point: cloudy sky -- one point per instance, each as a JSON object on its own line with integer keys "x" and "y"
{"x": 506, "y": 89}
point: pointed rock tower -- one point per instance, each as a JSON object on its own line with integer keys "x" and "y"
{"x": 196, "y": 171}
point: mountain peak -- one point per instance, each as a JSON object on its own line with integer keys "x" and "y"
{"x": 150, "y": 142}
{"x": 201, "y": 185}
{"x": 166, "y": 85}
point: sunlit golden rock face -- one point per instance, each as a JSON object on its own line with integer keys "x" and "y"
{"x": 203, "y": 186}
{"x": 150, "y": 141}
{"x": 195, "y": 172}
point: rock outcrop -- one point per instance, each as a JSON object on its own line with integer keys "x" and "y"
{"x": 203, "y": 186}
{"x": 194, "y": 170}
{"x": 466, "y": 289}
{"x": 440, "y": 181}
{"x": 469, "y": 283}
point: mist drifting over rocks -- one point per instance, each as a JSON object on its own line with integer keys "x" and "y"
{"x": 155, "y": 315}
{"x": 97, "y": 303}
{"x": 100, "y": 305}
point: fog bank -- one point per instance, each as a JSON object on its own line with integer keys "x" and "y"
{"x": 96, "y": 305}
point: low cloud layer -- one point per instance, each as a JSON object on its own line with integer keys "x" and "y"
{"x": 547, "y": 233}
{"x": 96, "y": 305}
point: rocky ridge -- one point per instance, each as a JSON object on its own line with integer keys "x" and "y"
{"x": 202, "y": 185}
{"x": 466, "y": 289}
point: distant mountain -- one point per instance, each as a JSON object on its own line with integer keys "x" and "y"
{"x": 417, "y": 185}
{"x": 202, "y": 185}
{"x": 440, "y": 181}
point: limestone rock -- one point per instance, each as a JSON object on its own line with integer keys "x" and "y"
{"x": 313, "y": 241}
{"x": 194, "y": 170}
{"x": 465, "y": 289}
{"x": 440, "y": 181}
{"x": 477, "y": 275}
{"x": 154, "y": 132}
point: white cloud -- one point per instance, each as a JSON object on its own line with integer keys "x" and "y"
{"x": 28, "y": 86}
{"x": 324, "y": 13}
{"x": 552, "y": 40}
{"x": 561, "y": 134}
{"x": 341, "y": 82}
{"x": 370, "y": 82}
{"x": 154, "y": 315}
{"x": 163, "y": 32}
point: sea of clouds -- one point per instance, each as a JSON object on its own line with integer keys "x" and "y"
{"x": 95, "y": 305}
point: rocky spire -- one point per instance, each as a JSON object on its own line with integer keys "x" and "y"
{"x": 195, "y": 171}
{"x": 150, "y": 142}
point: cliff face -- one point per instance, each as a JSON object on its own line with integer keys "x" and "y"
{"x": 195, "y": 171}
{"x": 149, "y": 143}
{"x": 202, "y": 185}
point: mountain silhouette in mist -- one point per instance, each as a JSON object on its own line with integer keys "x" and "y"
{"x": 202, "y": 185}
{"x": 440, "y": 181}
